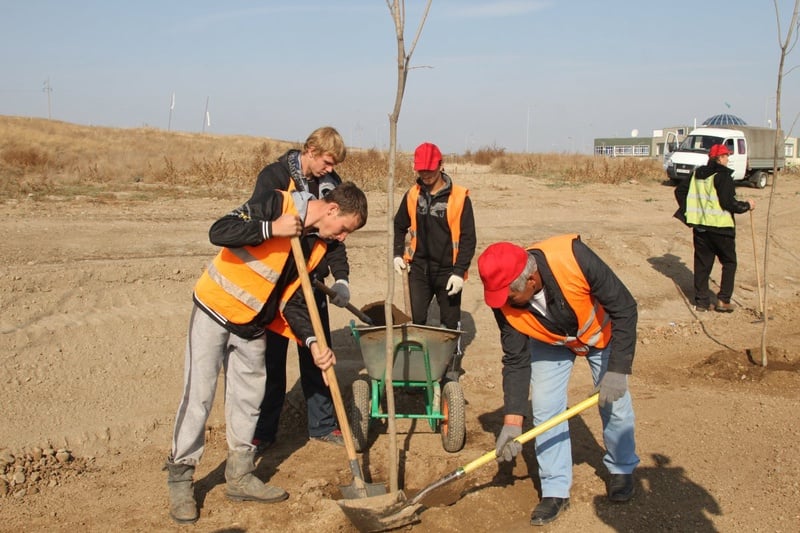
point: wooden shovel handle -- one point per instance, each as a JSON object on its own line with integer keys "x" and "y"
{"x": 319, "y": 332}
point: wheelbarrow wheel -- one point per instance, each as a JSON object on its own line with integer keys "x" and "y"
{"x": 453, "y": 426}
{"x": 358, "y": 413}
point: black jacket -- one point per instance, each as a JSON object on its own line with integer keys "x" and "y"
{"x": 609, "y": 291}
{"x": 434, "y": 240}
{"x": 726, "y": 190}
{"x": 277, "y": 176}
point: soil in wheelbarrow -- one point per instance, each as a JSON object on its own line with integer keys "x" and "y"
{"x": 376, "y": 311}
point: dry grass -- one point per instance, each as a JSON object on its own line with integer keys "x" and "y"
{"x": 43, "y": 158}
{"x": 576, "y": 168}
{"x": 370, "y": 169}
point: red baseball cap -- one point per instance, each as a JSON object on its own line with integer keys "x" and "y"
{"x": 427, "y": 157}
{"x": 499, "y": 265}
{"x": 718, "y": 150}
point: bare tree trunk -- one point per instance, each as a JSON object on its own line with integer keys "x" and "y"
{"x": 786, "y": 46}
{"x": 398, "y": 10}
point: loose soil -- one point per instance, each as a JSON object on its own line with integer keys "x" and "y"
{"x": 96, "y": 297}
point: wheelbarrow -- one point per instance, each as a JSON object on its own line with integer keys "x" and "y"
{"x": 422, "y": 356}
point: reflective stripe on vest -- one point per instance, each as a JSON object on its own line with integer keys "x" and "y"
{"x": 455, "y": 207}
{"x": 239, "y": 281}
{"x": 703, "y": 207}
{"x": 279, "y": 324}
{"x": 594, "y": 330}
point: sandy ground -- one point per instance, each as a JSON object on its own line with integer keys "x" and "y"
{"x": 95, "y": 303}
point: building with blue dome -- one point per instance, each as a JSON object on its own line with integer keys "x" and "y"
{"x": 666, "y": 139}
{"x": 724, "y": 120}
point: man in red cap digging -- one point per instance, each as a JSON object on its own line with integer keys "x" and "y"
{"x": 707, "y": 203}
{"x": 554, "y": 301}
{"x": 437, "y": 215}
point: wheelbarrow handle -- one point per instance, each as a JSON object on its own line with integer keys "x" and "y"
{"x": 350, "y": 307}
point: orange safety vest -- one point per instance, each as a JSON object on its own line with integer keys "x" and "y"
{"x": 238, "y": 281}
{"x": 594, "y": 325}
{"x": 455, "y": 206}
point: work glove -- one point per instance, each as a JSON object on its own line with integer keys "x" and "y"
{"x": 612, "y": 387}
{"x": 400, "y": 265}
{"x": 506, "y": 448}
{"x": 454, "y": 285}
{"x": 342, "y": 290}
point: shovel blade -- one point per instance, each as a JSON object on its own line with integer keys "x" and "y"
{"x": 360, "y": 489}
{"x": 380, "y": 513}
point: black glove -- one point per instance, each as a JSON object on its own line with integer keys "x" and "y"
{"x": 612, "y": 387}
{"x": 506, "y": 448}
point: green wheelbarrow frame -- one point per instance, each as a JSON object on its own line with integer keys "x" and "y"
{"x": 422, "y": 355}
{"x": 432, "y": 388}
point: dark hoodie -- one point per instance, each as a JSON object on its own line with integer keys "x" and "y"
{"x": 726, "y": 190}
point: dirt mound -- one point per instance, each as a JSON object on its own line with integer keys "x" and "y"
{"x": 745, "y": 367}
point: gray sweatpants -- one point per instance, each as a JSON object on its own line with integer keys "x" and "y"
{"x": 210, "y": 346}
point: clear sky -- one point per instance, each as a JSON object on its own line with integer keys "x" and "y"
{"x": 536, "y": 75}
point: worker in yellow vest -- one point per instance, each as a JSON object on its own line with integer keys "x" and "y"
{"x": 437, "y": 216}
{"x": 250, "y": 286}
{"x": 708, "y": 202}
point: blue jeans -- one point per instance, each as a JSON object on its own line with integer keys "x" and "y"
{"x": 551, "y": 367}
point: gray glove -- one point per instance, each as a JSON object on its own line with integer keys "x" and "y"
{"x": 342, "y": 290}
{"x": 506, "y": 448}
{"x": 612, "y": 387}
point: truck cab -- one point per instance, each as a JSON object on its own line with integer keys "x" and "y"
{"x": 693, "y": 152}
{"x": 753, "y": 153}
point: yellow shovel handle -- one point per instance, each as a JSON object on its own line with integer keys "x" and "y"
{"x": 538, "y": 430}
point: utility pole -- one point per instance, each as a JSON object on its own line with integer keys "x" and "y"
{"x": 47, "y": 89}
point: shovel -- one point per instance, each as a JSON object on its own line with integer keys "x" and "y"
{"x": 350, "y": 307}
{"x": 359, "y": 488}
{"x": 393, "y": 510}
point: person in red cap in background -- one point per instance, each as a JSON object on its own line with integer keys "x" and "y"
{"x": 707, "y": 203}
{"x": 437, "y": 215}
{"x": 554, "y": 301}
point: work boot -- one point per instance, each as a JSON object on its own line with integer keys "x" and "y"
{"x": 620, "y": 487}
{"x": 243, "y": 485}
{"x": 182, "y": 505}
{"x": 548, "y": 510}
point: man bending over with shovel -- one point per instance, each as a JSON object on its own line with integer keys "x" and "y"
{"x": 554, "y": 301}
{"x": 250, "y": 285}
